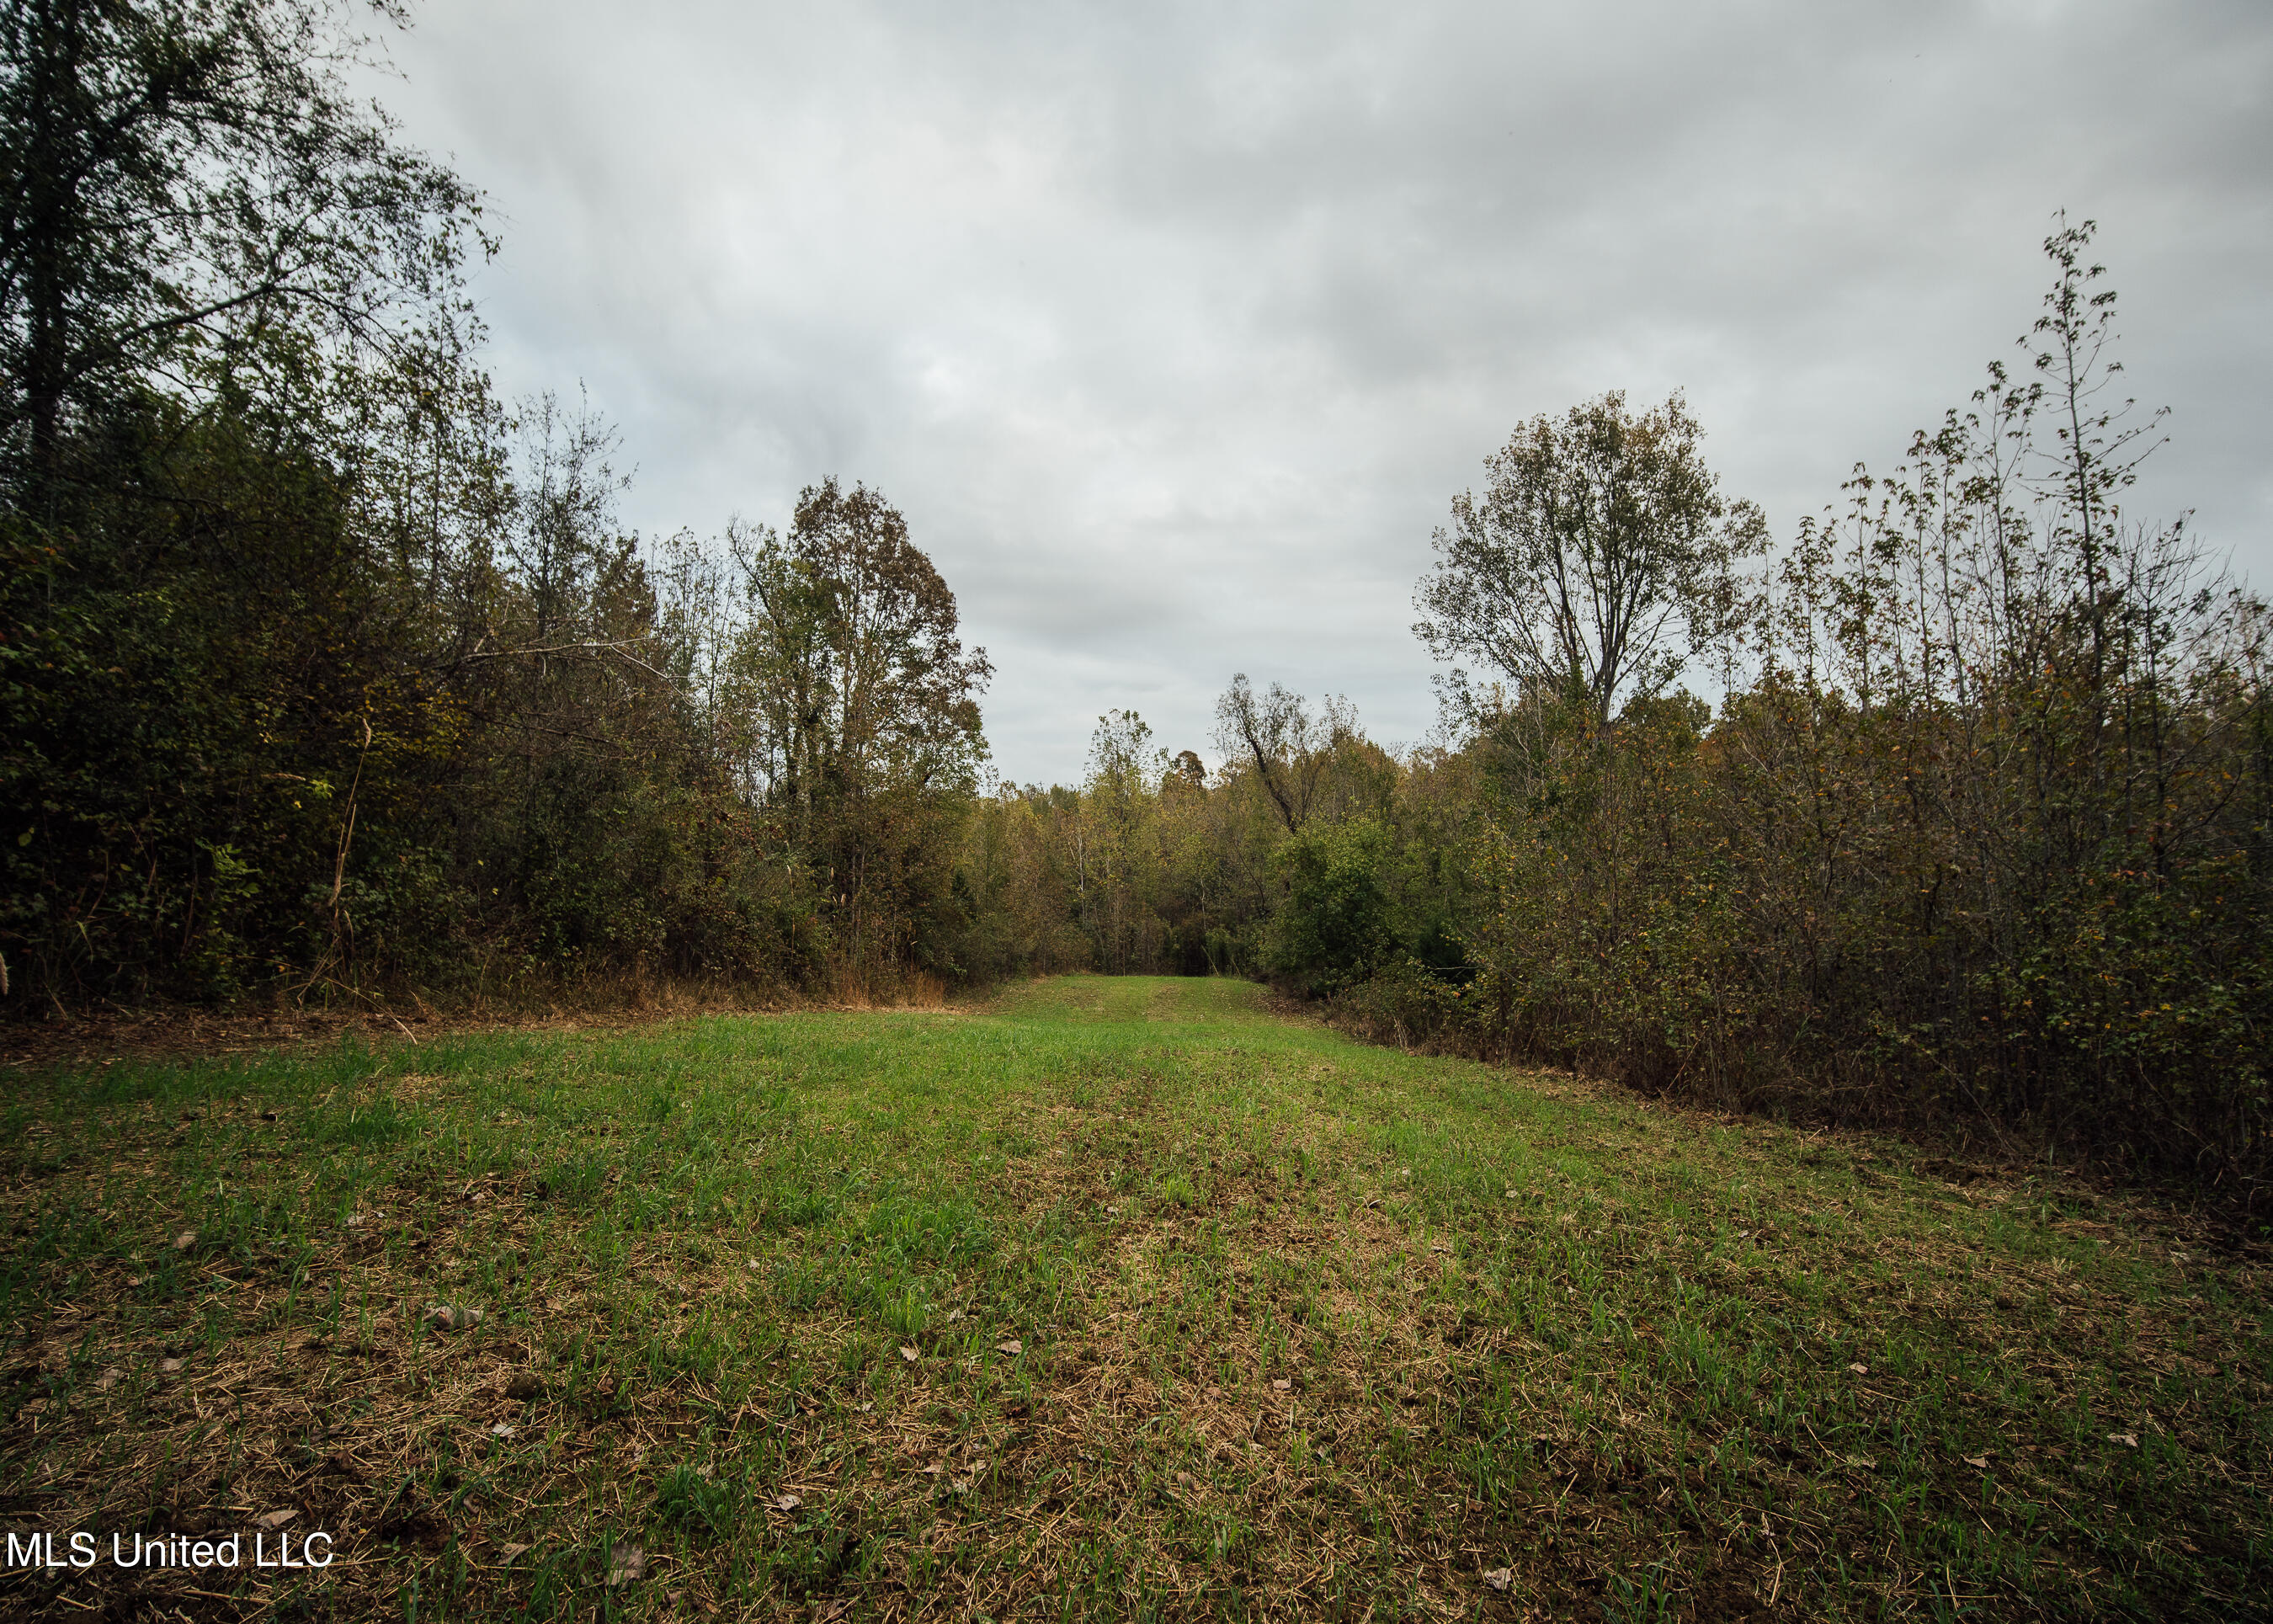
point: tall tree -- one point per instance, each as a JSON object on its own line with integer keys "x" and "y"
{"x": 224, "y": 290}
{"x": 1291, "y": 749}
{"x": 864, "y": 706}
{"x": 181, "y": 179}
{"x": 1599, "y": 554}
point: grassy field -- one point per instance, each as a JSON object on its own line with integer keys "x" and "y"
{"x": 1106, "y": 1298}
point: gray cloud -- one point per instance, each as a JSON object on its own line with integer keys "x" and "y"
{"x": 1174, "y": 329}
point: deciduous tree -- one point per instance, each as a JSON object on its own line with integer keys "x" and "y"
{"x": 1600, "y": 555}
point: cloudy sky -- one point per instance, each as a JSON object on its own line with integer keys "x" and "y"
{"x": 1173, "y": 328}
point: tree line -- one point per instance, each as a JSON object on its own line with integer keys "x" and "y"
{"x": 322, "y": 670}
{"x": 326, "y": 673}
{"x": 1976, "y": 835}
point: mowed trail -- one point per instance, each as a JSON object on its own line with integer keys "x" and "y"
{"x": 1103, "y": 1298}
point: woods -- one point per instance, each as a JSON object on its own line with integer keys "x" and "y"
{"x": 326, "y": 673}
{"x": 1975, "y": 836}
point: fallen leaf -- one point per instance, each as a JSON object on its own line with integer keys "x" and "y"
{"x": 274, "y": 1520}
{"x": 787, "y": 1502}
{"x": 1499, "y": 1578}
{"x": 909, "y": 1354}
{"x": 1009, "y": 1345}
{"x": 2129, "y": 1440}
{"x": 626, "y": 1563}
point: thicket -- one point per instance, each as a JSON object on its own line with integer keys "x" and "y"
{"x": 1979, "y": 834}
{"x": 1976, "y": 839}
{"x": 321, "y": 671}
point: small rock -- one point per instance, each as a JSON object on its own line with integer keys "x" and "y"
{"x": 626, "y": 1563}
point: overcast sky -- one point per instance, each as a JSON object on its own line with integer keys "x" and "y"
{"x": 1173, "y": 328}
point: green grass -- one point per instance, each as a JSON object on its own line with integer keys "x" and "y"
{"x": 1302, "y": 1328}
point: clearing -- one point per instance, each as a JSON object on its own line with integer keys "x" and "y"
{"x": 1105, "y": 1298}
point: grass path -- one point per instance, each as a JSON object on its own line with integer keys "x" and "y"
{"x": 1109, "y": 1298}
